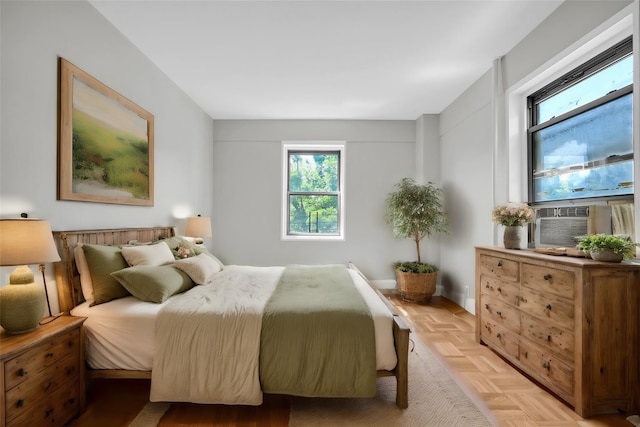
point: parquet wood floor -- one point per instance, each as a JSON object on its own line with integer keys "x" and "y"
{"x": 511, "y": 399}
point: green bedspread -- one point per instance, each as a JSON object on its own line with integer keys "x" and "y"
{"x": 317, "y": 336}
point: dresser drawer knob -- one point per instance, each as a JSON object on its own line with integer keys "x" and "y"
{"x": 499, "y": 263}
{"x": 22, "y": 372}
{"x": 20, "y": 403}
{"x": 499, "y": 313}
{"x": 49, "y": 355}
{"x": 547, "y": 277}
{"x": 498, "y": 335}
{"x": 548, "y": 338}
{"x": 546, "y": 365}
{"x": 500, "y": 290}
{"x": 548, "y": 307}
{"x": 486, "y": 306}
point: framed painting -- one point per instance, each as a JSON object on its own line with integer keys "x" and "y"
{"x": 105, "y": 143}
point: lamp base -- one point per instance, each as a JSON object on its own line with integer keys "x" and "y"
{"x": 21, "y": 304}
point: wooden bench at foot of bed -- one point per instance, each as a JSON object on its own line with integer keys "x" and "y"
{"x": 70, "y": 295}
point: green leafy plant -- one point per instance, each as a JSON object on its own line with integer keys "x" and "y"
{"x": 600, "y": 242}
{"x": 416, "y": 211}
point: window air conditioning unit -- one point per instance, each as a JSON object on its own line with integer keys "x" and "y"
{"x": 562, "y": 226}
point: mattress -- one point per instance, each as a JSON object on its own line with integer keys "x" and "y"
{"x": 120, "y": 333}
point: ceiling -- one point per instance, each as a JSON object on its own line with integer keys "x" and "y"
{"x": 390, "y": 60}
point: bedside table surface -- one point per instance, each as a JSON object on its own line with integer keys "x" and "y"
{"x": 12, "y": 344}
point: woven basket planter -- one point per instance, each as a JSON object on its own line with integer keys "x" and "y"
{"x": 416, "y": 287}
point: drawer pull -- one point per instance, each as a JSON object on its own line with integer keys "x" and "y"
{"x": 547, "y": 277}
{"x": 499, "y": 263}
{"x": 22, "y": 372}
{"x": 498, "y": 335}
{"x": 486, "y": 286}
{"x": 20, "y": 403}
{"x": 548, "y": 307}
{"x": 499, "y": 313}
{"x": 548, "y": 338}
{"x": 526, "y": 354}
{"x": 546, "y": 365}
{"x": 500, "y": 290}
{"x": 48, "y": 355}
{"x": 486, "y": 306}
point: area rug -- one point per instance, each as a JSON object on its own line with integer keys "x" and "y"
{"x": 435, "y": 399}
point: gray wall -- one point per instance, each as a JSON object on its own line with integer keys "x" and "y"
{"x": 33, "y": 35}
{"x": 470, "y": 145}
{"x": 247, "y": 192}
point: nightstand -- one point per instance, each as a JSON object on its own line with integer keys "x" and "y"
{"x": 42, "y": 374}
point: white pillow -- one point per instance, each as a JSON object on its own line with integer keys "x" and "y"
{"x": 85, "y": 277}
{"x": 201, "y": 268}
{"x": 157, "y": 254}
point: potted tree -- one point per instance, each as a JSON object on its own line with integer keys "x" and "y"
{"x": 609, "y": 248}
{"x": 416, "y": 211}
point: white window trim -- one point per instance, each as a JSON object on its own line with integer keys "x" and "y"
{"x": 320, "y": 146}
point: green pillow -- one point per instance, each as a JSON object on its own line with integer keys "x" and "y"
{"x": 153, "y": 283}
{"x": 102, "y": 260}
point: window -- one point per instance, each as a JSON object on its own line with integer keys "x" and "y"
{"x": 580, "y": 134}
{"x": 313, "y": 191}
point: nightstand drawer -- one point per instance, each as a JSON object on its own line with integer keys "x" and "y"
{"x": 30, "y": 363}
{"x": 56, "y": 410}
{"x": 29, "y": 394}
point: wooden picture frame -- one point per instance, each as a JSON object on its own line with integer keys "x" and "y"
{"x": 105, "y": 143}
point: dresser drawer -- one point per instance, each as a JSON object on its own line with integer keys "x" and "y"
{"x": 503, "y": 314}
{"x": 548, "y": 307}
{"x": 508, "y": 292}
{"x": 30, "y": 363}
{"x": 548, "y": 279}
{"x": 557, "y": 340}
{"x": 499, "y": 267}
{"x": 30, "y": 394}
{"x": 56, "y": 410}
{"x": 548, "y": 369}
{"x": 500, "y": 339}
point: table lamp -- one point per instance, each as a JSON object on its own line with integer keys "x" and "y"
{"x": 198, "y": 227}
{"x": 22, "y": 301}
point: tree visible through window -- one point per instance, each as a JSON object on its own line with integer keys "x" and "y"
{"x": 313, "y": 191}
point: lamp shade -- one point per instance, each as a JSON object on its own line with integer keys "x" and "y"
{"x": 26, "y": 241}
{"x": 198, "y": 226}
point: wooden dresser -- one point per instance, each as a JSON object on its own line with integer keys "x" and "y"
{"x": 571, "y": 324}
{"x": 42, "y": 374}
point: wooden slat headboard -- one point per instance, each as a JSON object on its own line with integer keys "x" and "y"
{"x": 67, "y": 276}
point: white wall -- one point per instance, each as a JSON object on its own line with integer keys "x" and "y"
{"x": 247, "y": 192}
{"x": 33, "y": 35}
{"x": 473, "y": 180}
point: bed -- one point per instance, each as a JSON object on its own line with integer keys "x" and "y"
{"x": 121, "y": 342}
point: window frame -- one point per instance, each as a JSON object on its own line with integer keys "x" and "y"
{"x": 328, "y": 147}
{"x": 590, "y": 67}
